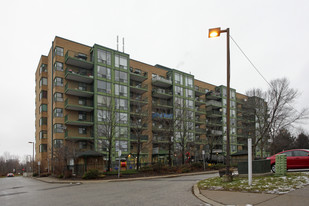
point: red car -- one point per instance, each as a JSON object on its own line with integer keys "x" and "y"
{"x": 296, "y": 159}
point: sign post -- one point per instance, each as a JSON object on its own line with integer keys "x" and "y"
{"x": 119, "y": 155}
{"x": 203, "y": 153}
{"x": 249, "y": 161}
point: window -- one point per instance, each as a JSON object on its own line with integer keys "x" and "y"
{"x": 121, "y": 90}
{"x": 121, "y": 62}
{"x": 178, "y": 90}
{"x": 58, "y": 66}
{"x": 58, "y": 81}
{"x": 104, "y": 86}
{"x": 58, "y": 143}
{"x": 104, "y": 57}
{"x": 103, "y": 145}
{"x": 190, "y": 137}
{"x": 82, "y": 86}
{"x": 224, "y": 91}
{"x": 43, "y": 134}
{"x": 121, "y": 117}
{"x": 190, "y": 114}
{"x": 43, "y": 108}
{"x": 82, "y": 101}
{"x": 121, "y": 76}
{"x": 178, "y": 102}
{"x": 122, "y": 145}
{"x": 43, "y": 94}
{"x": 104, "y": 72}
{"x": 233, "y": 104}
{"x": 103, "y": 101}
{"x": 59, "y": 51}
{"x": 58, "y": 112}
{"x": 121, "y": 104}
{"x": 190, "y": 104}
{"x": 288, "y": 154}
{"x": 58, "y": 97}
{"x": 82, "y": 145}
{"x": 224, "y": 102}
{"x": 43, "y": 147}
{"x": 189, "y": 93}
{"x": 189, "y": 82}
{"x": 121, "y": 131}
{"x": 58, "y": 128}
{"x": 82, "y": 116}
{"x": 103, "y": 115}
{"x": 233, "y": 94}
{"x": 43, "y": 81}
{"x": 300, "y": 153}
{"x": 233, "y": 113}
{"x": 178, "y": 78}
{"x": 43, "y": 121}
{"x": 82, "y": 130}
{"x": 102, "y": 129}
{"x": 43, "y": 68}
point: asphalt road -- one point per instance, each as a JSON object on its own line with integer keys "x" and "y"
{"x": 163, "y": 191}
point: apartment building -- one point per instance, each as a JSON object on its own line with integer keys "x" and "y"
{"x": 96, "y": 101}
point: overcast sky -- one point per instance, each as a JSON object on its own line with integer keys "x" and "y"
{"x": 174, "y": 33}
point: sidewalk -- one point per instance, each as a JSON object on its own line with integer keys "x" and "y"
{"x": 218, "y": 198}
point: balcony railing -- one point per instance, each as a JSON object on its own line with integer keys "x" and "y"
{"x": 199, "y": 91}
{"x": 138, "y": 75}
{"x": 75, "y": 120}
{"x": 79, "y": 75}
{"x": 162, "y": 93}
{"x": 160, "y": 139}
{"x": 213, "y": 95}
{"x": 143, "y": 138}
{"x": 162, "y": 115}
{"x": 78, "y": 59}
{"x": 79, "y": 90}
{"x": 214, "y": 103}
{"x": 162, "y": 103}
{"x": 138, "y": 88}
{"x": 76, "y": 136}
{"x": 161, "y": 81}
{"x": 72, "y": 104}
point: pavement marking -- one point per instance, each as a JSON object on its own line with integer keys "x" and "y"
{"x": 16, "y": 193}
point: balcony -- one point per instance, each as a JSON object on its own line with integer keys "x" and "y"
{"x": 214, "y": 104}
{"x": 70, "y": 104}
{"x": 161, "y": 104}
{"x": 215, "y": 133}
{"x": 79, "y": 75}
{"x": 200, "y": 121}
{"x": 139, "y": 88}
{"x": 160, "y": 139}
{"x": 138, "y": 100}
{"x": 159, "y": 151}
{"x": 199, "y": 91}
{"x": 214, "y": 124}
{"x": 138, "y": 75}
{"x": 199, "y": 101}
{"x": 213, "y": 95}
{"x": 161, "y": 81}
{"x": 162, "y": 115}
{"x": 200, "y": 110}
{"x": 143, "y": 138}
{"x": 78, "y": 59}
{"x": 138, "y": 126}
{"x": 76, "y": 90}
{"x": 162, "y": 93}
{"x": 159, "y": 128}
{"x": 72, "y": 135}
{"x": 200, "y": 130}
{"x": 214, "y": 114}
{"x": 76, "y": 121}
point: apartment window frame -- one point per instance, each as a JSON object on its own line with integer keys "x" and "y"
{"x": 58, "y": 128}
{"x": 122, "y": 145}
{"x": 43, "y": 95}
{"x": 43, "y": 134}
{"x": 103, "y": 101}
{"x": 104, "y": 87}
{"x": 58, "y": 112}
{"x": 178, "y": 78}
{"x": 121, "y": 104}
{"x": 104, "y": 72}
{"x": 121, "y": 76}
{"x": 121, "y": 90}
{"x": 58, "y": 143}
{"x": 189, "y": 93}
{"x": 82, "y": 116}
{"x": 58, "y": 81}
{"x": 121, "y": 117}
{"x": 43, "y": 81}
{"x": 104, "y": 57}
{"x": 43, "y": 108}
{"x": 58, "y": 97}
{"x": 103, "y": 115}
{"x": 43, "y": 68}
{"x": 189, "y": 81}
{"x": 82, "y": 130}
{"x": 43, "y": 148}
{"x": 59, "y": 51}
{"x": 121, "y": 62}
{"x": 103, "y": 145}
{"x": 121, "y": 131}
{"x": 58, "y": 66}
{"x": 43, "y": 121}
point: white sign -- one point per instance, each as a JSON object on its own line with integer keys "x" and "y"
{"x": 119, "y": 153}
{"x": 203, "y": 152}
{"x": 39, "y": 163}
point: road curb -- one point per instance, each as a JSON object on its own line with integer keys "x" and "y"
{"x": 198, "y": 194}
{"x": 52, "y": 181}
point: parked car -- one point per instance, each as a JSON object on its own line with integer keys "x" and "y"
{"x": 10, "y": 175}
{"x": 296, "y": 159}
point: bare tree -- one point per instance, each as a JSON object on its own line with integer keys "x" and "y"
{"x": 139, "y": 125}
{"x": 274, "y": 110}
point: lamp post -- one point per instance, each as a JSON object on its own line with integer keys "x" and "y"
{"x": 32, "y": 155}
{"x": 215, "y": 32}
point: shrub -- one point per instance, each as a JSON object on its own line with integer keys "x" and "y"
{"x": 196, "y": 165}
{"x": 35, "y": 174}
{"x": 91, "y": 174}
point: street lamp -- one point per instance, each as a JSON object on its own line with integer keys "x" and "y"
{"x": 32, "y": 155}
{"x": 215, "y": 32}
